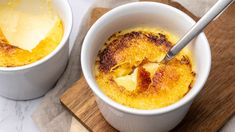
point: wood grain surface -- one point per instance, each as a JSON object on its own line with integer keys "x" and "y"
{"x": 212, "y": 107}
{"x": 76, "y": 126}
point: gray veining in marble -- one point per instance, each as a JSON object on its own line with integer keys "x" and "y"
{"x": 15, "y": 116}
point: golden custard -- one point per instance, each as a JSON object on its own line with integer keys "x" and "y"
{"x": 11, "y": 56}
{"x": 29, "y": 31}
{"x": 124, "y": 71}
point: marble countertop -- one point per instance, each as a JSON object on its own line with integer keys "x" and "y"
{"x": 15, "y": 116}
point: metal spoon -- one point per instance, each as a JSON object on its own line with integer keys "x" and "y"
{"x": 196, "y": 29}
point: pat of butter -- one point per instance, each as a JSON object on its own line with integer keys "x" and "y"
{"x": 129, "y": 82}
{"x": 26, "y": 23}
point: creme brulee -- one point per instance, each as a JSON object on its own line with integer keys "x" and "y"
{"x": 11, "y": 56}
{"x": 27, "y": 36}
{"x": 124, "y": 72}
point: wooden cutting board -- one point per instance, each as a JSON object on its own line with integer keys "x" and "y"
{"x": 211, "y": 109}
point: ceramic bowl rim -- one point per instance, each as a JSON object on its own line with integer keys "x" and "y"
{"x": 88, "y": 74}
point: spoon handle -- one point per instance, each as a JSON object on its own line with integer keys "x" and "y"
{"x": 197, "y": 28}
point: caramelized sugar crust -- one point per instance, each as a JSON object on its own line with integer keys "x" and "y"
{"x": 127, "y": 50}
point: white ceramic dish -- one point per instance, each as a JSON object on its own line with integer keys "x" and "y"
{"x": 144, "y": 14}
{"x": 34, "y": 80}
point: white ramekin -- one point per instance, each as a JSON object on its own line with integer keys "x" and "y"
{"x": 34, "y": 80}
{"x": 144, "y": 14}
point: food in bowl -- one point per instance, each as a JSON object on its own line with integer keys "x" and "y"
{"x": 29, "y": 31}
{"x": 124, "y": 70}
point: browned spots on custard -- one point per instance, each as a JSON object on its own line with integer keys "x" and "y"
{"x": 164, "y": 77}
{"x": 107, "y": 56}
{"x": 160, "y": 40}
{"x": 157, "y": 80}
{"x": 194, "y": 74}
{"x": 191, "y": 85}
{"x": 4, "y": 45}
{"x": 144, "y": 61}
{"x": 184, "y": 60}
{"x": 106, "y": 60}
{"x": 192, "y": 82}
{"x": 6, "y": 48}
{"x": 143, "y": 79}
